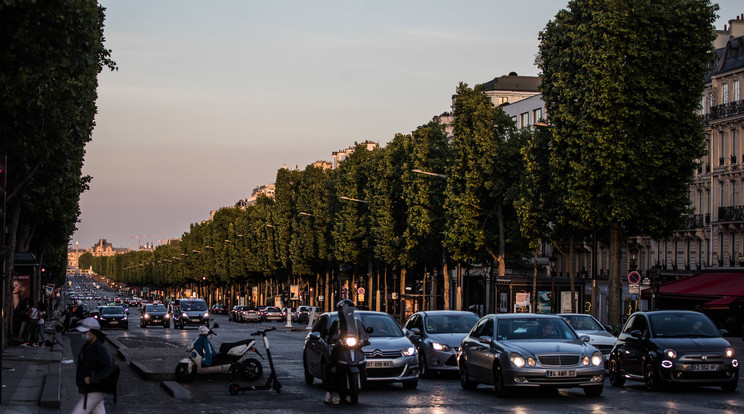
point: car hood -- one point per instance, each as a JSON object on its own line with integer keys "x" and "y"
{"x": 534, "y": 347}
{"x": 599, "y": 337}
{"x": 452, "y": 340}
{"x": 113, "y": 315}
{"x": 692, "y": 344}
{"x": 158, "y": 313}
{"x": 384, "y": 343}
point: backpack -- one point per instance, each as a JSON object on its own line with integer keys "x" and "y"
{"x": 108, "y": 384}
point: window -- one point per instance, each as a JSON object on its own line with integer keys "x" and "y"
{"x": 721, "y": 146}
{"x": 724, "y": 93}
{"x": 537, "y": 115}
{"x": 734, "y": 146}
{"x": 503, "y": 100}
{"x": 702, "y": 105}
{"x": 736, "y": 91}
{"x": 524, "y": 120}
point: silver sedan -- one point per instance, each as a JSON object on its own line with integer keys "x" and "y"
{"x": 529, "y": 351}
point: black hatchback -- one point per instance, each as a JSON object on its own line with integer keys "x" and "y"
{"x": 113, "y": 317}
{"x": 154, "y": 315}
{"x": 665, "y": 348}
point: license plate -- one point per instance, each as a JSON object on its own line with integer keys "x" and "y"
{"x": 379, "y": 364}
{"x": 194, "y": 319}
{"x": 156, "y": 321}
{"x": 561, "y": 373}
{"x": 113, "y": 322}
{"x": 705, "y": 367}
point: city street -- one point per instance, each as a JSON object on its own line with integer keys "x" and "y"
{"x": 210, "y": 395}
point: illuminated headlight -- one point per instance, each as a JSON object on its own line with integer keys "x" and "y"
{"x": 184, "y": 315}
{"x": 585, "y": 361}
{"x": 597, "y": 359}
{"x": 409, "y": 351}
{"x": 124, "y": 318}
{"x": 729, "y": 352}
{"x": 440, "y": 347}
{"x": 531, "y": 361}
{"x": 667, "y": 364}
{"x": 516, "y": 359}
{"x": 147, "y": 316}
{"x": 670, "y": 353}
{"x": 350, "y": 341}
{"x": 167, "y": 315}
{"x": 206, "y": 315}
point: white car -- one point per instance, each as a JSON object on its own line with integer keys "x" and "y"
{"x": 599, "y": 336}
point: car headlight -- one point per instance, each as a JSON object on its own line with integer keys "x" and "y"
{"x": 206, "y": 315}
{"x": 409, "y": 351}
{"x": 147, "y": 316}
{"x": 729, "y": 352}
{"x": 350, "y": 341}
{"x": 184, "y": 315}
{"x": 516, "y": 359}
{"x": 440, "y": 347}
{"x": 597, "y": 359}
{"x": 124, "y": 318}
{"x": 670, "y": 353}
{"x": 167, "y": 316}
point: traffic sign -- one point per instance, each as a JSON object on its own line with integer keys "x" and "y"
{"x": 634, "y": 277}
{"x": 361, "y": 291}
{"x": 634, "y": 289}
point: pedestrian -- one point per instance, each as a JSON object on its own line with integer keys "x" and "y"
{"x": 93, "y": 366}
{"x": 41, "y": 322}
{"x": 33, "y": 325}
{"x": 23, "y": 311}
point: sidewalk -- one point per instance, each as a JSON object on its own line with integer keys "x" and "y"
{"x": 31, "y": 378}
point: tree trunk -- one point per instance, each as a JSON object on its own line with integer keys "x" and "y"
{"x": 402, "y": 298}
{"x": 445, "y": 280}
{"x": 615, "y": 286}
{"x": 534, "y": 282}
{"x": 571, "y": 273}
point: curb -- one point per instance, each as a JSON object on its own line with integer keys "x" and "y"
{"x": 175, "y": 390}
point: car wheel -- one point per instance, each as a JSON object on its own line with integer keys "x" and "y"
{"x": 465, "y": 382}
{"x": 423, "y": 369}
{"x": 498, "y": 381}
{"x": 410, "y": 384}
{"x": 143, "y": 326}
{"x": 651, "y": 377}
{"x": 616, "y": 377}
{"x": 308, "y": 377}
{"x": 731, "y": 386}
{"x": 594, "y": 390}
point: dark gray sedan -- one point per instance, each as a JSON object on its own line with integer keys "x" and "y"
{"x": 529, "y": 351}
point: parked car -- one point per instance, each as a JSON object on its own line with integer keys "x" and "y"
{"x": 666, "y": 348}
{"x": 273, "y": 314}
{"x": 437, "y": 336}
{"x": 155, "y": 315}
{"x": 526, "y": 351}
{"x": 113, "y": 317}
{"x": 599, "y": 335}
{"x": 391, "y": 357}
{"x": 190, "y": 312}
{"x": 249, "y": 314}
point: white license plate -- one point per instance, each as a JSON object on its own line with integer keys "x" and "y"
{"x": 705, "y": 367}
{"x": 113, "y": 322}
{"x": 194, "y": 319}
{"x": 561, "y": 373}
{"x": 379, "y": 364}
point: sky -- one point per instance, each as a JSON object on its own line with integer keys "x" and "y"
{"x": 210, "y": 99}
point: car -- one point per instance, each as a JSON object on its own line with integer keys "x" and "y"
{"x": 249, "y": 314}
{"x": 234, "y": 314}
{"x": 437, "y": 336}
{"x": 673, "y": 347}
{"x": 190, "y": 312}
{"x": 289, "y": 311}
{"x": 391, "y": 357}
{"x": 599, "y": 335}
{"x": 529, "y": 351}
{"x": 218, "y": 308}
{"x": 273, "y": 313}
{"x": 261, "y": 312}
{"x": 113, "y": 317}
{"x": 304, "y": 313}
{"x": 155, "y": 315}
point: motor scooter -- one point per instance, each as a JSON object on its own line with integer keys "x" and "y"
{"x": 351, "y": 364}
{"x": 271, "y": 382}
{"x": 230, "y": 359}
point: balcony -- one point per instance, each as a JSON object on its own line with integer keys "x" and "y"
{"x": 724, "y": 110}
{"x": 731, "y": 214}
{"x": 696, "y": 221}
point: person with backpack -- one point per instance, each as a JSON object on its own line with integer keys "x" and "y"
{"x": 94, "y": 366}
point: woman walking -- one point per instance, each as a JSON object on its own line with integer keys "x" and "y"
{"x": 93, "y": 366}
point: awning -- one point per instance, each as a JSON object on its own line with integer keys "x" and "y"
{"x": 722, "y": 303}
{"x": 703, "y": 285}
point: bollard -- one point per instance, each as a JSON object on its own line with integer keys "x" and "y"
{"x": 289, "y": 320}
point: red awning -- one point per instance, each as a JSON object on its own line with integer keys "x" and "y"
{"x": 722, "y": 303}
{"x": 704, "y": 284}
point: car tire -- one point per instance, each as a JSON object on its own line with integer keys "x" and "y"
{"x": 594, "y": 390}
{"x": 410, "y": 384}
{"x": 498, "y": 381}
{"x": 731, "y": 386}
{"x": 651, "y": 377}
{"x": 465, "y": 381}
{"x": 309, "y": 379}
{"x": 423, "y": 369}
{"x": 143, "y": 326}
{"x": 166, "y": 325}
{"x": 616, "y": 377}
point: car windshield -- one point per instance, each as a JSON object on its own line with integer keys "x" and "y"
{"x": 112, "y": 310}
{"x": 382, "y": 324}
{"x": 583, "y": 323}
{"x": 455, "y": 323}
{"x": 682, "y": 325}
{"x": 155, "y": 308}
{"x": 193, "y": 306}
{"x": 272, "y": 310}
{"x": 533, "y": 328}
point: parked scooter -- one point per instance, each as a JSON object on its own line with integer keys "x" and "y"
{"x": 230, "y": 359}
{"x": 271, "y": 382}
{"x": 350, "y": 362}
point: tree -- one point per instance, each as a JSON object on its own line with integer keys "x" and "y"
{"x": 621, "y": 84}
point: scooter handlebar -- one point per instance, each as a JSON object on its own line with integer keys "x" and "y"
{"x": 257, "y": 333}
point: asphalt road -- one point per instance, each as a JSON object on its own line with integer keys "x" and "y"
{"x": 438, "y": 395}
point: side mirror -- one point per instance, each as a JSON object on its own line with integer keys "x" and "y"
{"x": 724, "y": 332}
{"x": 584, "y": 338}
{"x": 485, "y": 339}
{"x": 636, "y": 333}
{"x": 216, "y": 325}
{"x": 369, "y": 330}
{"x": 315, "y": 336}
{"x": 608, "y": 328}
{"x": 415, "y": 331}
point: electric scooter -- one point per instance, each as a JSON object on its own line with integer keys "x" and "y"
{"x": 230, "y": 359}
{"x": 271, "y": 382}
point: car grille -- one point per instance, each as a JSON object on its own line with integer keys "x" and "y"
{"x": 385, "y": 372}
{"x": 604, "y": 349}
{"x": 702, "y": 358}
{"x": 383, "y": 354}
{"x": 558, "y": 360}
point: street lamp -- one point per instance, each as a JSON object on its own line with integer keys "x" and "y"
{"x": 417, "y": 171}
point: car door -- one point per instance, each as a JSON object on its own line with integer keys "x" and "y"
{"x": 415, "y": 321}
{"x": 483, "y": 352}
{"x": 632, "y": 348}
{"x": 316, "y": 346}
